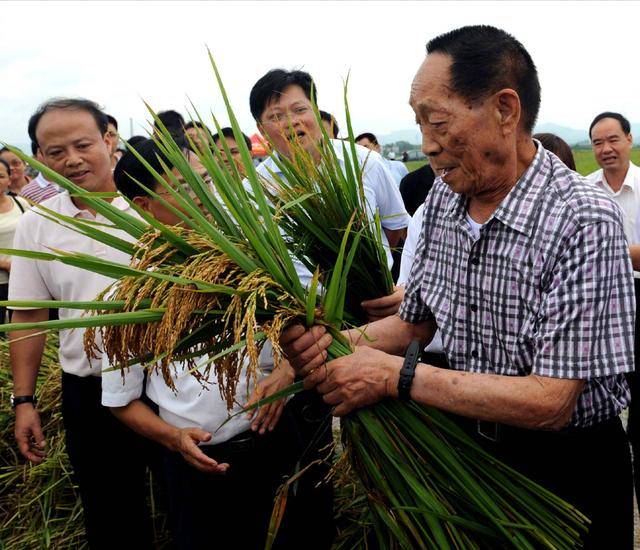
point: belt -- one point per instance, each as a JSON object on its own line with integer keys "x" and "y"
{"x": 243, "y": 441}
{"x": 503, "y": 433}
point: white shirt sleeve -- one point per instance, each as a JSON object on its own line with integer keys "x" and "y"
{"x": 410, "y": 244}
{"x": 393, "y": 214}
{"x": 118, "y": 391}
{"x": 25, "y": 278}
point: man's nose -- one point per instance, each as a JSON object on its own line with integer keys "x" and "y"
{"x": 430, "y": 147}
{"x": 73, "y": 158}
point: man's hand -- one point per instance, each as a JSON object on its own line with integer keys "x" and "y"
{"x": 357, "y": 380}
{"x": 267, "y": 416}
{"x": 28, "y": 433}
{"x": 385, "y": 306}
{"x": 305, "y": 349}
{"x": 187, "y": 446}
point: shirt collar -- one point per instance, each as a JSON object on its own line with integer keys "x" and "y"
{"x": 516, "y": 209}
{"x": 629, "y": 179}
{"x": 68, "y": 207}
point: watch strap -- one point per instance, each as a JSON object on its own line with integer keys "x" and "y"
{"x": 408, "y": 370}
{"x": 20, "y": 399}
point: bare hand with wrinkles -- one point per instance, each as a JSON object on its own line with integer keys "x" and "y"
{"x": 357, "y": 380}
{"x": 306, "y": 349}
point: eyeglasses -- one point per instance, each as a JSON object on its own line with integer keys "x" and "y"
{"x": 277, "y": 117}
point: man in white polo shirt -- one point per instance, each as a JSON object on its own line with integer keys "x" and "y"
{"x": 619, "y": 178}
{"x": 106, "y": 457}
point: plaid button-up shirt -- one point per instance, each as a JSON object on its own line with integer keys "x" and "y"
{"x": 547, "y": 289}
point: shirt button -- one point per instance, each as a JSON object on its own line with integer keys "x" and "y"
{"x": 475, "y": 260}
{"x": 473, "y": 307}
{"x": 474, "y": 354}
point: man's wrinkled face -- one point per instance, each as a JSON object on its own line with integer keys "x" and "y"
{"x": 464, "y": 142}
{"x": 611, "y": 146}
{"x": 289, "y": 117}
{"x": 71, "y": 144}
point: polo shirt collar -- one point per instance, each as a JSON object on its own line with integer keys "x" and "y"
{"x": 516, "y": 209}
{"x": 68, "y": 207}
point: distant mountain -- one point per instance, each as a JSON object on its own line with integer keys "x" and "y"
{"x": 572, "y": 136}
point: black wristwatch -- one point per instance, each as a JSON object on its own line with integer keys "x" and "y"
{"x": 20, "y": 399}
{"x": 408, "y": 370}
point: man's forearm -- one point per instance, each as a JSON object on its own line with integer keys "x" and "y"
{"x": 526, "y": 401}
{"x": 142, "y": 420}
{"x": 392, "y": 334}
{"x": 26, "y": 352}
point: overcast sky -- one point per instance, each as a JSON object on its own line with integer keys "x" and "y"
{"x": 119, "y": 53}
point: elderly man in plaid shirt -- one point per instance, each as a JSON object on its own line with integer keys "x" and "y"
{"x": 524, "y": 268}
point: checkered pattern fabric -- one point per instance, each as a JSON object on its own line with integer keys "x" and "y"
{"x": 547, "y": 289}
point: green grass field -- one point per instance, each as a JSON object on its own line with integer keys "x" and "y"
{"x": 585, "y": 161}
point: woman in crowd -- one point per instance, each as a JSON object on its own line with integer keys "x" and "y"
{"x": 11, "y": 208}
{"x": 17, "y": 166}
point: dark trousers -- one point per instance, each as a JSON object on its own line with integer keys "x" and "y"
{"x": 108, "y": 461}
{"x": 4, "y": 292}
{"x": 588, "y": 467}
{"x": 236, "y": 507}
{"x": 633, "y": 426}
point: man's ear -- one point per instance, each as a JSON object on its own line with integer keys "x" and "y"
{"x": 107, "y": 139}
{"x": 143, "y": 201}
{"x": 509, "y": 110}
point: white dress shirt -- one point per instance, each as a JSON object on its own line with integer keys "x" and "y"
{"x": 627, "y": 198}
{"x": 42, "y": 280}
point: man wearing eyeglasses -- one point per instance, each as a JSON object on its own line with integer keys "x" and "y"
{"x": 281, "y": 104}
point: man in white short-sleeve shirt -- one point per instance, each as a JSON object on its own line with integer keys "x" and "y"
{"x": 72, "y": 140}
{"x": 618, "y": 177}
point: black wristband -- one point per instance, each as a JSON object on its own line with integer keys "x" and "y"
{"x": 19, "y": 400}
{"x": 408, "y": 370}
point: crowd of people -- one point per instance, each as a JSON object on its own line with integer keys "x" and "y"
{"x": 515, "y": 274}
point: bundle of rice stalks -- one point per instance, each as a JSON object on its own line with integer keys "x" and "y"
{"x": 427, "y": 484}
